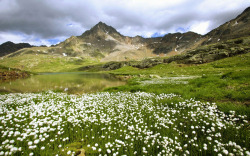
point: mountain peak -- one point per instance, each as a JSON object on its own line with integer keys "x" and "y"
{"x": 8, "y": 43}
{"x": 102, "y": 24}
{"x": 246, "y": 10}
{"x": 101, "y": 28}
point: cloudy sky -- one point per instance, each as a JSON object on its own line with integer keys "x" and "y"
{"x": 46, "y": 22}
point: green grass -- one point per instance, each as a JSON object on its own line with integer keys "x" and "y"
{"x": 240, "y": 62}
{"x": 225, "y": 82}
{"x": 45, "y": 63}
{"x": 4, "y": 68}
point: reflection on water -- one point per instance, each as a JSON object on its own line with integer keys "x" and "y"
{"x": 65, "y": 82}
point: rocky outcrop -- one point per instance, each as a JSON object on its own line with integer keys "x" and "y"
{"x": 146, "y": 63}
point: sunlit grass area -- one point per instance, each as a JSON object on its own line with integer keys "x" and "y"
{"x": 237, "y": 63}
{"x": 119, "y": 123}
{"x": 225, "y": 82}
{"x": 45, "y": 63}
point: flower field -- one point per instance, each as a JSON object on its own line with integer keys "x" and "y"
{"x": 119, "y": 123}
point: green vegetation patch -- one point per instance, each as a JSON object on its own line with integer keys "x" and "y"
{"x": 46, "y": 63}
{"x": 225, "y": 81}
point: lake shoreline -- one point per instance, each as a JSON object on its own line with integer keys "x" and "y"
{"x": 13, "y": 75}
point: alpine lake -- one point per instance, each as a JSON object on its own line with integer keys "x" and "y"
{"x": 68, "y": 82}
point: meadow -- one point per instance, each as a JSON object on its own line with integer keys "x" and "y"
{"x": 120, "y": 123}
{"x": 169, "y": 109}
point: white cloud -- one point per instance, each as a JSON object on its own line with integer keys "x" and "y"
{"x": 200, "y": 27}
{"x": 5, "y": 36}
{"x": 23, "y": 38}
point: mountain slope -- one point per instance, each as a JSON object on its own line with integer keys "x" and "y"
{"x": 176, "y": 42}
{"x": 235, "y": 28}
{"x": 104, "y": 42}
{"x": 10, "y": 47}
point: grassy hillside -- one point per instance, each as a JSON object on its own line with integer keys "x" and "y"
{"x": 45, "y": 63}
{"x": 240, "y": 62}
{"x": 225, "y": 82}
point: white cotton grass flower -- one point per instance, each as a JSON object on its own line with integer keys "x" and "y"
{"x": 108, "y": 151}
{"x": 69, "y": 152}
{"x": 47, "y": 118}
{"x": 30, "y": 143}
{"x": 225, "y": 151}
{"x": 36, "y": 141}
{"x": 209, "y": 138}
{"x": 205, "y": 148}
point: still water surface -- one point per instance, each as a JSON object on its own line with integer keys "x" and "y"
{"x": 65, "y": 82}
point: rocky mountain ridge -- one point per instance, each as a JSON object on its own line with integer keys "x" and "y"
{"x": 107, "y": 44}
{"x": 200, "y": 55}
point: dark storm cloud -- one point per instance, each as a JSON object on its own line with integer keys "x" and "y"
{"x": 41, "y": 18}
{"x": 47, "y": 20}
